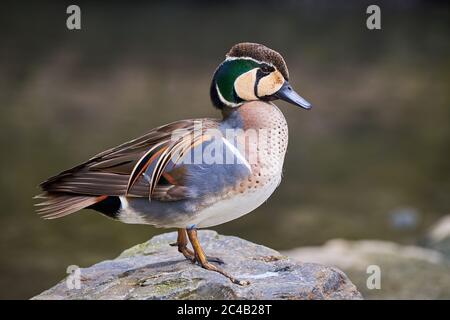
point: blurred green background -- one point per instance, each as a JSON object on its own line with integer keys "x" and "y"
{"x": 374, "y": 150}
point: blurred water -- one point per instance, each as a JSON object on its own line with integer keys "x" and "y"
{"x": 376, "y": 140}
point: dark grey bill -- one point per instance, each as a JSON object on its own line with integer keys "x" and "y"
{"x": 286, "y": 93}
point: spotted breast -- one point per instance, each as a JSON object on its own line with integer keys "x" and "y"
{"x": 265, "y": 135}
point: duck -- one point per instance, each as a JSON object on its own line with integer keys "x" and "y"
{"x": 196, "y": 173}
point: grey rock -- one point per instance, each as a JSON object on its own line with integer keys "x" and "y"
{"x": 438, "y": 238}
{"x": 155, "y": 270}
{"x": 407, "y": 272}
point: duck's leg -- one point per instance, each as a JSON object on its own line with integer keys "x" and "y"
{"x": 182, "y": 241}
{"x": 203, "y": 261}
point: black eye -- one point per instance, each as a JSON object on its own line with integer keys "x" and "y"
{"x": 266, "y": 68}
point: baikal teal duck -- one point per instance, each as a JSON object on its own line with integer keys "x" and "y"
{"x": 194, "y": 173}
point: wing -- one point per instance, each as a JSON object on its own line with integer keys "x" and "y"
{"x": 144, "y": 167}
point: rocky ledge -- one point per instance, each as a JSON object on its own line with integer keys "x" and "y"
{"x": 155, "y": 270}
{"x": 405, "y": 271}
{"x": 420, "y": 271}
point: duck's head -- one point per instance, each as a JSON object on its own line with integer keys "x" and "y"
{"x": 252, "y": 72}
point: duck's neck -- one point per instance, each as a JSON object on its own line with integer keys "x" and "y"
{"x": 265, "y": 133}
{"x": 254, "y": 115}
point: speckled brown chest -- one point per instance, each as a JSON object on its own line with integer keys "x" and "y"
{"x": 266, "y": 153}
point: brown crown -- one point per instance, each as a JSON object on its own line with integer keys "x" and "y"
{"x": 261, "y": 53}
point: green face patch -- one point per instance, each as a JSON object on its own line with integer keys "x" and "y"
{"x": 227, "y": 74}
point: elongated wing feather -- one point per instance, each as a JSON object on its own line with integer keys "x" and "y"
{"x": 122, "y": 170}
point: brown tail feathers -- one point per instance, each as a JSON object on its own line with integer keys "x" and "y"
{"x": 56, "y": 205}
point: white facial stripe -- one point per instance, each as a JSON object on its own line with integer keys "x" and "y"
{"x": 249, "y": 58}
{"x": 243, "y": 58}
{"x": 224, "y": 101}
{"x": 244, "y": 85}
{"x": 270, "y": 84}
